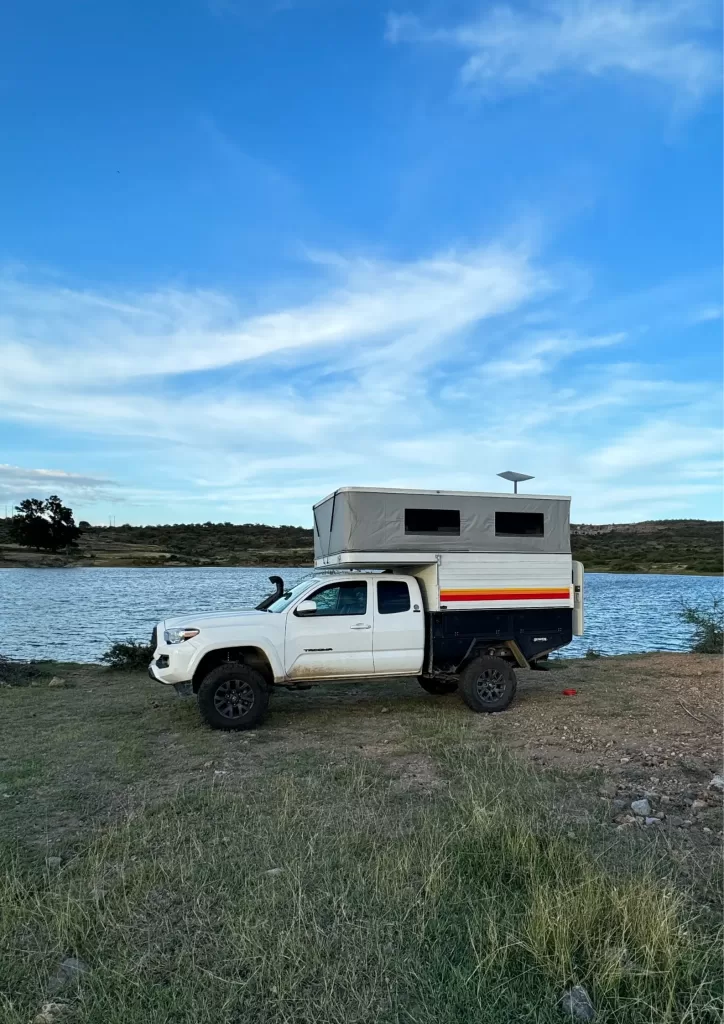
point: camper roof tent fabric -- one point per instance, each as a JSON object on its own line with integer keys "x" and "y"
{"x": 364, "y": 519}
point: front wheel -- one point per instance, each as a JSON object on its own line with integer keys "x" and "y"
{"x": 488, "y": 684}
{"x": 437, "y": 686}
{"x": 233, "y": 696}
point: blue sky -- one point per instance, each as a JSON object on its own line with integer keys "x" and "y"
{"x": 253, "y": 252}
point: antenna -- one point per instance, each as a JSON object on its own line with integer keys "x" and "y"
{"x": 515, "y": 477}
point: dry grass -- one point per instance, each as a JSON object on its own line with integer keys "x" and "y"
{"x": 468, "y": 901}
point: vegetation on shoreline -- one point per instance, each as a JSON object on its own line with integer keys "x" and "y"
{"x": 665, "y": 546}
{"x": 708, "y": 623}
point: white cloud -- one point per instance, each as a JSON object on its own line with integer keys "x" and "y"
{"x": 51, "y": 334}
{"x": 656, "y": 444}
{"x": 706, "y": 314}
{"x": 510, "y": 50}
{"x": 17, "y": 483}
{"x": 427, "y": 373}
{"x": 543, "y": 354}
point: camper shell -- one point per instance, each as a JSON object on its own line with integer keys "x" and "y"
{"x": 491, "y": 567}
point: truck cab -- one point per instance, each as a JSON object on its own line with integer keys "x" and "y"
{"x": 348, "y": 626}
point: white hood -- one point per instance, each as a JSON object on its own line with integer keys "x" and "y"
{"x": 206, "y": 620}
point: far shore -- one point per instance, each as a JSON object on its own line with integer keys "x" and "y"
{"x": 51, "y": 562}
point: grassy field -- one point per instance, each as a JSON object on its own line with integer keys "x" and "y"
{"x": 668, "y": 546}
{"x": 372, "y": 854}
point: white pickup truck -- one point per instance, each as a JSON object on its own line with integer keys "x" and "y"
{"x": 458, "y": 589}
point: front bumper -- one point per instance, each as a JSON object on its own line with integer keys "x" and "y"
{"x": 173, "y": 663}
{"x": 185, "y": 688}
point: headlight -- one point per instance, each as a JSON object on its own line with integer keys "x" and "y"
{"x": 177, "y": 636}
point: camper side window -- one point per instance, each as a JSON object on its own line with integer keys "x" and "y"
{"x": 432, "y": 521}
{"x": 518, "y": 524}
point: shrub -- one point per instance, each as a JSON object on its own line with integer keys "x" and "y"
{"x": 593, "y": 653}
{"x": 708, "y": 623}
{"x": 21, "y": 673}
{"x": 128, "y": 654}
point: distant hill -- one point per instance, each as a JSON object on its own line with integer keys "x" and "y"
{"x": 659, "y": 546}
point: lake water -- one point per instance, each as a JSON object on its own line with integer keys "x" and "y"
{"x": 75, "y": 614}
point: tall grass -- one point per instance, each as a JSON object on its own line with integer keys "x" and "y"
{"x": 475, "y": 907}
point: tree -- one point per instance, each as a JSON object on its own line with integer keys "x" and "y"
{"x": 42, "y": 524}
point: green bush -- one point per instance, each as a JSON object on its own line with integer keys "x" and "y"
{"x": 593, "y": 653}
{"x": 128, "y": 654}
{"x": 22, "y": 673}
{"x": 708, "y": 623}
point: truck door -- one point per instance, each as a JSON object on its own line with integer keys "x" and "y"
{"x": 336, "y": 641}
{"x": 398, "y": 641}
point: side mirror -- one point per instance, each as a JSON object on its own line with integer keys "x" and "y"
{"x": 306, "y": 608}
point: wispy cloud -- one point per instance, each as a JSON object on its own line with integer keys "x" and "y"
{"x": 432, "y": 372}
{"x": 17, "y": 482}
{"x": 51, "y": 334}
{"x": 673, "y": 43}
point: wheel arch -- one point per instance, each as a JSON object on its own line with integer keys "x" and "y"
{"x": 506, "y": 650}
{"x": 254, "y": 657}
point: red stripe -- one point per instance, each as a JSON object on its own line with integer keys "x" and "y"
{"x": 543, "y": 595}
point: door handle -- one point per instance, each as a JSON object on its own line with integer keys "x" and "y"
{"x": 360, "y": 625}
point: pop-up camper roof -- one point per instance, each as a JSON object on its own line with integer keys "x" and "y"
{"x": 369, "y": 519}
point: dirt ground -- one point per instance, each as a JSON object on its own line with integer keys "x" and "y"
{"x": 638, "y": 726}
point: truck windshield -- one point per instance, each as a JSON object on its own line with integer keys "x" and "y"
{"x": 283, "y": 602}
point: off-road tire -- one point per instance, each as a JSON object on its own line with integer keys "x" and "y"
{"x": 233, "y": 696}
{"x": 437, "y": 686}
{"x": 488, "y": 684}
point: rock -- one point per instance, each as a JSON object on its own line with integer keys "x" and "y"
{"x": 619, "y": 805}
{"x": 274, "y": 872}
{"x": 56, "y": 683}
{"x": 68, "y": 974}
{"x": 651, "y": 796}
{"x": 50, "y": 1012}
{"x": 576, "y": 1003}
{"x": 641, "y": 807}
{"x": 383, "y": 711}
{"x": 717, "y": 783}
{"x": 652, "y": 821}
{"x": 53, "y": 862}
{"x": 698, "y": 805}
{"x": 675, "y": 821}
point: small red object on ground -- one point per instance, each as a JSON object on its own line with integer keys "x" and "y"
{"x": 569, "y": 693}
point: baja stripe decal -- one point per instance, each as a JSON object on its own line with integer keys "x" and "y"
{"x": 512, "y": 594}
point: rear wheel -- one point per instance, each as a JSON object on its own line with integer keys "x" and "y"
{"x": 488, "y": 684}
{"x": 233, "y": 696}
{"x": 437, "y": 686}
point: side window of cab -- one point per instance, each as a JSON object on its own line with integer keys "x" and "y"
{"x": 347, "y": 598}
{"x": 393, "y": 596}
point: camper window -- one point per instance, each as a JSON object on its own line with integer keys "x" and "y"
{"x": 518, "y": 524}
{"x": 432, "y": 520}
